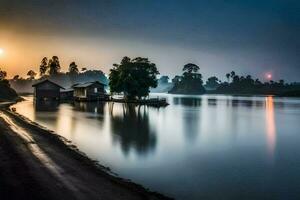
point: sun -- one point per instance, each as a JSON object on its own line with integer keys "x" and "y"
{"x": 1, "y": 51}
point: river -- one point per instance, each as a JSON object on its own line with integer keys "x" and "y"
{"x": 199, "y": 147}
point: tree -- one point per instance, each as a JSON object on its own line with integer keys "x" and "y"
{"x": 3, "y": 75}
{"x": 212, "y": 82}
{"x": 190, "y": 67}
{"x": 232, "y": 74}
{"x": 44, "y": 66}
{"x": 31, "y": 74}
{"x": 83, "y": 69}
{"x": 191, "y": 81}
{"x": 54, "y": 65}
{"x": 133, "y": 77}
{"x": 163, "y": 80}
{"x": 16, "y": 77}
{"x": 228, "y": 76}
{"x": 73, "y": 68}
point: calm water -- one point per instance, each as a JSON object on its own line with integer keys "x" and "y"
{"x": 209, "y": 147}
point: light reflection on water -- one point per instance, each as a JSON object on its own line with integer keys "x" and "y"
{"x": 210, "y": 147}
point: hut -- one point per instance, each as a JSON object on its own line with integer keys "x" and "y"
{"x": 91, "y": 91}
{"x": 47, "y": 90}
{"x": 67, "y": 94}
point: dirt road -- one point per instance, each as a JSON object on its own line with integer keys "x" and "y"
{"x": 36, "y": 164}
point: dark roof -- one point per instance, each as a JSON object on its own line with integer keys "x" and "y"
{"x": 41, "y": 82}
{"x": 67, "y": 90}
{"x": 84, "y": 85}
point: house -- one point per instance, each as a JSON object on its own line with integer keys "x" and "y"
{"x": 90, "y": 91}
{"x": 47, "y": 90}
{"x": 67, "y": 94}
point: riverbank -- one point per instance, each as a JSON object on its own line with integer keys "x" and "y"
{"x": 38, "y": 164}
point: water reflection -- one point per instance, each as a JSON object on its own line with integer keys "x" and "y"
{"x": 187, "y": 101}
{"x": 270, "y": 126}
{"x": 46, "y": 105}
{"x": 132, "y": 129}
{"x": 91, "y": 107}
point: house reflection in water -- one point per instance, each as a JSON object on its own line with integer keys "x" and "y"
{"x": 47, "y": 105}
{"x": 270, "y": 126}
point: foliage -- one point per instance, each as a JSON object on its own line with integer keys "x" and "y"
{"x": 133, "y": 77}
{"x": 190, "y": 82}
{"x": 73, "y": 68}
{"x": 212, "y": 83}
{"x": 31, "y": 74}
{"x": 6, "y": 92}
{"x": 248, "y": 85}
{"x": 54, "y": 66}
{"x": 3, "y": 74}
{"x": 44, "y": 66}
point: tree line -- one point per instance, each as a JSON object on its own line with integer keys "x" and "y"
{"x": 134, "y": 78}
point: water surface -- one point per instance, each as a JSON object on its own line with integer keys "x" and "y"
{"x": 199, "y": 147}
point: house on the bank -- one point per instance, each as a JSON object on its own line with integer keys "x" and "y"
{"x": 67, "y": 94}
{"x": 46, "y": 90}
{"x": 91, "y": 91}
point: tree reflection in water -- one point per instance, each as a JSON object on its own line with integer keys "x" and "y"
{"x": 132, "y": 129}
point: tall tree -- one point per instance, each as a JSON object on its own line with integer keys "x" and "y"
{"x": 232, "y": 74}
{"x": 190, "y": 67}
{"x": 44, "y": 66}
{"x": 73, "y": 68}
{"x": 31, "y": 74}
{"x": 54, "y": 65}
{"x": 133, "y": 77}
{"x": 228, "y": 76}
{"x": 191, "y": 81}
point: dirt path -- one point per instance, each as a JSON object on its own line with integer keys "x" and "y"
{"x": 36, "y": 164}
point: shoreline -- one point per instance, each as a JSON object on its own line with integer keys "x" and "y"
{"x": 70, "y": 151}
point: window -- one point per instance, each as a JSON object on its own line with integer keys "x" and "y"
{"x": 95, "y": 90}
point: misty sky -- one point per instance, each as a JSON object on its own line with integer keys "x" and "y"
{"x": 249, "y": 36}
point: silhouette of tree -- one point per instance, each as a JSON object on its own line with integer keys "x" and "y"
{"x": 3, "y": 75}
{"x": 44, "y": 66}
{"x": 133, "y": 77}
{"x": 16, "y": 77}
{"x": 228, "y": 76}
{"x": 163, "y": 80}
{"x": 191, "y": 81}
{"x": 232, "y": 74}
{"x": 212, "y": 82}
{"x": 83, "y": 69}
{"x": 73, "y": 68}
{"x": 54, "y": 65}
{"x": 31, "y": 74}
{"x": 190, "y": 67}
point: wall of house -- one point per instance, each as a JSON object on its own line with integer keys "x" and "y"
{"x": 47, "y": 91}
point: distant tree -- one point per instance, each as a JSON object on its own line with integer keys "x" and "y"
{"x": 228, "y": 76}
{"x": 73, "y": 68}
{"x": 16, "y": 77}
{"x": 212, "y": 82}
{"x": 31, "y": 74}
{"x": 190, "y": 67}
{"x": 3, "y": 75}
{"x": 44, "y": 66}
{"x": 191, "y": 81}
{"x": 232, "y": 74}
{"x": 133, "y": 77}
{"x": 163, "y": 80}
{"x": 83, "y": 69}
{"x": 54, "y": 65}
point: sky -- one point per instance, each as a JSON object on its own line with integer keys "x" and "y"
{"x": 250, "y": 36}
